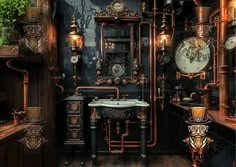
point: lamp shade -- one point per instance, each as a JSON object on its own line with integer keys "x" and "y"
{"x": 76, "y": 38}
{"x": 163, "y": 40}
{"x": 76, "y": 41}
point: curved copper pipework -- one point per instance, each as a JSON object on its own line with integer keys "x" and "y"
{"x": 208, "y": 85}
{"x": 213, "y": 14}
{"x": 25, "y": 82}
{"x": 99, "y": 88}
{"x": 58, "y": 85}
{"x": 122, "y": 137}
{"x": 196, "y": 2}
{"x": 207, "y": 94}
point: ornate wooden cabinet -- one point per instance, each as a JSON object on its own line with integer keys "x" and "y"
{"x": 74, "y": 138}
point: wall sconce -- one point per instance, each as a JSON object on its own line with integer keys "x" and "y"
{"x": 76, "y": 38}
{"x": 163, "y": 42}
{"x": 76, "y": 43}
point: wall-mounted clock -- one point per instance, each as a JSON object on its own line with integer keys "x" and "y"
{"x": 117, "y": 70}
{"x": 117, "y": 6}
{"x": 193, "y": 54}
{"x": 230, "y": 42}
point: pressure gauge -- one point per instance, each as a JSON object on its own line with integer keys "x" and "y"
{"x": 74, "y": 59}
{"x": 230, "y": 42}
{"x": 117, "y": 70}
{"x": 193, "y": 54}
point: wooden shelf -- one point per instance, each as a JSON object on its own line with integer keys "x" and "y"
{"x": 20, "y": 55}
{"x": 9, "y": 51}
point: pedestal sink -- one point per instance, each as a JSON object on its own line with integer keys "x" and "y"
{"x": 118, "y": 103}
{"x": 118, "y": 110}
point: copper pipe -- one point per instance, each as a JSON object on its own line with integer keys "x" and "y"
{"x": 196, "y": 2}
{"x": 154, "y": 78}
{"x": 150, "y": 71}
{"x": 208, "y": 85}
{"x": 172, "y": 25}
{"x": 214, "y": 13}
{"x": 58, "y": 85}
{"x": 217, "y": 47}
{"x": 128, "y": 144}
{"x": 207, "y": 94}
{"x": 122, "y": 137}
{"x": 99, "y": 88}
{"x": 214, "y": 63}
{"x": 132, "y": 41}
{"x": 139, "y": 45}
{"x": 25, "y": 82}
{"x": 151, "y": 84}
{"x": 223, "y": 63}
{"x": 102, "y": 42}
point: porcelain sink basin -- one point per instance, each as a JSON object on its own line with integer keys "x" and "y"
{"x": 118, "y": 109}
{"x": 118, "y": 103}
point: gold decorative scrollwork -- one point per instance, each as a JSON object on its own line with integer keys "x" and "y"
{"x": 117, "y": 8}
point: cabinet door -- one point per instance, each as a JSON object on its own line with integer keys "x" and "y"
{"x": 74, "y": 134}
{"x": 74, "y": 121}
{"x": 74, "y": 107}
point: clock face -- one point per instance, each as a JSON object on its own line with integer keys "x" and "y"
{"x": 230, "y": 42}
{"x": 117, "y": 70}
{"x": 192, "y": 54}
{"x": 117, "y": 6}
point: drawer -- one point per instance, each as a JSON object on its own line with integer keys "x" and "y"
{"x": 74, "y": 120}
{"x": 74, "y": 106}
{"x": 73, "y": 134}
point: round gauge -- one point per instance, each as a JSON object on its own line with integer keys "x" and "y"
{"x": 230, "y": 42}
{"x": 193, "y": 54}
{"x": 117, "y": 70}
{"x": 117, "y": 6}
{"x": 74, "y": 59}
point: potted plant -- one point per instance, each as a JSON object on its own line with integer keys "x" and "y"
{"x": 10, "y": 11}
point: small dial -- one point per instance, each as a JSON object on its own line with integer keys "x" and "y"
{"x": 117, "y": 70}
{"x": 230, "y": 42}
{"x": 74, "y": 59}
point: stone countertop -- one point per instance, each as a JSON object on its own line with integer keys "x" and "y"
{"x": 213, "y": 115}
{"x": 9, "y": 131}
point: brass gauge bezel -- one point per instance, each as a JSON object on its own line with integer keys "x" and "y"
{"x": 117, "y": 6}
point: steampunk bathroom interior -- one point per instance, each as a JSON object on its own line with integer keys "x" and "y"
{"x": 134, "y": 79}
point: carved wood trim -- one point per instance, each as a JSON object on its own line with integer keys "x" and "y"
{"x": 110, "y": 14}
{"x": 8, "y": 51}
